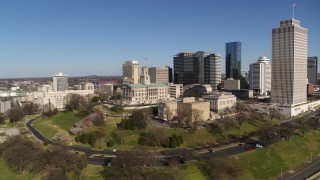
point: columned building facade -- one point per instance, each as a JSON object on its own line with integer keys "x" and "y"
{"x": 289, "y": 63}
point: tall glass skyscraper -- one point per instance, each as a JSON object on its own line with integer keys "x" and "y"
{"x": 233, "y": 60}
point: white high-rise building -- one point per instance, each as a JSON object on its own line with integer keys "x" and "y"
{"x": 145, "y": 77}
{"x": 212, "y": 70}
{"x": 60, "y": 82}
{"x": 289, "y": 63}
{"x": 130, "y": 70}
{"x": 260, "y": 76}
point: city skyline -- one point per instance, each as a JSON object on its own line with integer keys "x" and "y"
{"x": 94, "y": 38}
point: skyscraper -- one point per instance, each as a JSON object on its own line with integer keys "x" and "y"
{"x": 212, "y": 70}
{"x": 60, "y": 82}
{"x": 260, "y": 76}
{"x": 199, "y": 57}
{"x": 185, "y": 68}
{"x": 169, "y": 73}
{"x": 159, "y": 74}
{"x": 289, "y": 63}
{"x": 233, "y": 60}
{"x": 130, "y": 70}
{"x": 313, "y": 70}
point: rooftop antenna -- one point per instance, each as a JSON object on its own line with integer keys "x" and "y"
{"x": 293, "y": 7}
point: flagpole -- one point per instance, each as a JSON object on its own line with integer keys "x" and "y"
{"x": 293, "y": 7}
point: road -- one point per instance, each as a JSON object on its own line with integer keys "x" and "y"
{"x": 97, "y": 160}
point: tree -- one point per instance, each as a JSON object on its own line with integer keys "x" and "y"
{"x": 2, "y": 119}
{"x": 117, "y": 137}
{"x": 267, "y": 135}
{"x": 273, "y": 113}
{"x": 168, "y": 113}
{"x": 241, "y": 118}
{"x": 75, "y": 102}
{"x": 196, "y": 118}
{"x": 99, "y": 120}
{"x": 29, "y": 109}
{"x": 15, "y": 114}
{"x": 19, "y": 153}
{"x": 185, "y": 117}
{"x": 95, "y": 99}
{"x": 239, "y": 107}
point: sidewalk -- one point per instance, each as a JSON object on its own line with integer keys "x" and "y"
{"x": 303, "y": 171}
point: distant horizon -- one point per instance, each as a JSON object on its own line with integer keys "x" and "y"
{"x": 41, "y": 38}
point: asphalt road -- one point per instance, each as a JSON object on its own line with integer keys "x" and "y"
{"x": 98, "y": 160}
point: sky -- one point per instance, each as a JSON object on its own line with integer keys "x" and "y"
{"x": 40, "y": 38}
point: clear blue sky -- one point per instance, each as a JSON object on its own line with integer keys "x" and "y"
{"x": 94, "y": 37}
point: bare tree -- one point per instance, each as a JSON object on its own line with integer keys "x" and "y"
{"x": 239, "y": 107}
{"x": 15, "y": 114}
{"x": 168, "y": 113}
{"x": 273, "y": 113}
{"x": 75, "y": 102}
{"x": 197, "y": 116}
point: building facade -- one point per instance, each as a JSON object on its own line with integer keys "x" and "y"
{"x": 159, "y": 74}
{"x": 60, "y": 82}
{"x": 231, "y": 84}
{"x": 185, "y": 68}
{"x": 184, "y": 109}
{"x": 220, "y": 102}
{"x": 175, "y": 90}
{"x": 289, "y": 63}
{"x": 212, "y": 70}
{"x": 233, "y": 60}
{"x": 153, "y": 93}
{"x": 313, "y": 70}
{"x": 130, "y": 72}
{"x": 260, "y": 76}
{"x": 5, "y": 106}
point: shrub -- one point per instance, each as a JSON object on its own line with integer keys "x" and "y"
{"x": 110, "y": 143}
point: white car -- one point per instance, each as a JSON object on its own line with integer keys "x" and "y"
{"x": 259, "y": 146}
{"x": 114, "y": 150}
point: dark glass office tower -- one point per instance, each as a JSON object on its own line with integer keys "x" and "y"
{"x": 186, "y": 69}
{"x": 313, "y": 70}
{"x": 233, "y": 60}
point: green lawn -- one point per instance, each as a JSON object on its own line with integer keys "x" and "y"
{"x": 93, "y": 172}
{"x": 267, "y": 163}
{"x": 65, "y": 120}
{"x": 45, "y": 127}
{"x": 60, "y": 122}
{"x": 191, "y": 172}
{"x": 7, "y": 174}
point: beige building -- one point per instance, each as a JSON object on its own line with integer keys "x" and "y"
{"x": 152, "y": 93}
{"x": 175, "y": 90}
{"x": 4, "y": 106}
{"x": 130, "y": 72}
{"x": 159, "y": 74}
{"x": 58, "y": 99}
{"x": 231, "y": 84}
{"x": 221, "y": 101}
{"x": 289, "y": 63}
{"x": 185, "y": 108}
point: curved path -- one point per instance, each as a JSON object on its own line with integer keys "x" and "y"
{"x": 97, "y": 160}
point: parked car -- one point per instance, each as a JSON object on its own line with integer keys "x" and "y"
{"x": 248, "y": 148}
{"x": 259, "y": 146}
{"x": 211, "y": 151}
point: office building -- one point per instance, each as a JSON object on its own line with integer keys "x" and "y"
{"x": 233, "y": 60}
{"x": 170, "y": 75}
{"x": 289, "y": 63}
{"x": 185, "y": 68}
{"x": 145, "y": 77}
{"x": 231, "y": 84}
{"x": 159, "y": 74}
{"x": 212, "y": 70}
{"x": 130, "y": 72}
{"x": 175, "y": 90}
{"x": 260, "y": 76}
{"x": 313, "y": 70}
{"x": 221, "y": 102}
{"x": 60, "y": 82}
